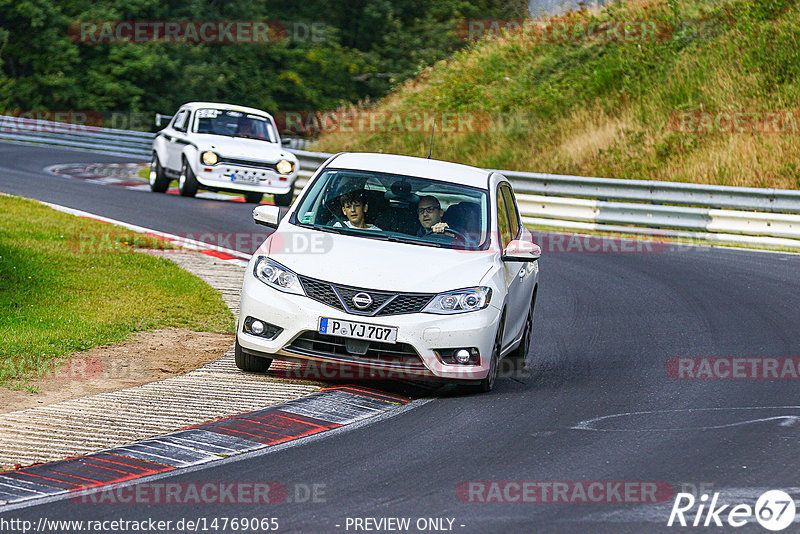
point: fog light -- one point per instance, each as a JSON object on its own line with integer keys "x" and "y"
{"x": 462, "y": 356}
{"x": 257, "y": 328}
{"x": 261, "y": 328}
{"x": 466, "y": 356}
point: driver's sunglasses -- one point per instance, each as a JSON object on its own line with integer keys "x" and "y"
{"x": 429, "y": 209}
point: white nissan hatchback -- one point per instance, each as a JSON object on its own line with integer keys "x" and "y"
{"x": 404, "y": 266}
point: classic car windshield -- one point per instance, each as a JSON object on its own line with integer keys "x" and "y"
{"x": 233, "y": 124}
{"x": 395, "y": 207}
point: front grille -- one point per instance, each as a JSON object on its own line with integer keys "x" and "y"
{"x": 378, "y": 299}
{"x": 383, "y": 302}
{"x": 249, "y": 163}
{"x": 396, "y": 354}
{"x": 406, "y": 304}
{"x": 322, "y": 292}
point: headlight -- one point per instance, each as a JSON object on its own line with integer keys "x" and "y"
{"x": 461, "y": 301}
{"x": 276, "y": 275}
{"x": 209, "y": 158}
{"x": 285, "y": 166}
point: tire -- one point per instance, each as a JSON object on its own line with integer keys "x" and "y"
{"x": 253, "y": 198}
{"x": 525, "y": 344}
{"x": 248, "y": 362}
{"x": 187, "y": 184}
{"x": 284, "y": 199}
{"x": 159, "y": 182}
{"x": 487, "y": 384}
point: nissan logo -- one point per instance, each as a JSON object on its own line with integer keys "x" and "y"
{"x": 362, "y": 300}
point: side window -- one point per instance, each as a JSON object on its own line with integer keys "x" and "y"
{"x": 180, "y": 120}
{"x": 503, "y": 227}
{"x": 513, "y": 215}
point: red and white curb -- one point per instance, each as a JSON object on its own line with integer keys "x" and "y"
{"x": 313, "y": 414}
{"x": 220, "y": 253}
{"x": 123, "y": 175}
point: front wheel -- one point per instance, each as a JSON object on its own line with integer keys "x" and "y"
{"x": 284, "y": 199}
{"x": 487, "y": 383}
{"x": 187, "y": 184}
{"x": 158, "y": 179}
{"x": 253, "y": 198}
{"x": 248, "y": 362}
{"x": 521, "y": 351}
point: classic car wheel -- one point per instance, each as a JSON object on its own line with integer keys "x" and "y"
{"x": 187, "y": 184}
{"x": 158, "y": 179}
{"x": 253, "y": 198}
{"x": 284, "y": 199}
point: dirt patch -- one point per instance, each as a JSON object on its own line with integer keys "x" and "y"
{"x": 145, "y": 357}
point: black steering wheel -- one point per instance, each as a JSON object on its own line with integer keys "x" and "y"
{"x": 448, "y": 230}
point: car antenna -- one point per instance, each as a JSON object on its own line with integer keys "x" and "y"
{"x": 431, "y": 147}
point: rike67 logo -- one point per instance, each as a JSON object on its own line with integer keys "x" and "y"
{"x": 774, "y": 510}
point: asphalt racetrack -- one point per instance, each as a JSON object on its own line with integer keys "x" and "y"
{"x": 609, "y": 412}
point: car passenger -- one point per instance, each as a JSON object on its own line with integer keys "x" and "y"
{"x": 355, "y": 207}
{"x": 430, "y": 214}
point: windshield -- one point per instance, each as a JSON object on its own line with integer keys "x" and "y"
{"x": 394, "y": 207}
{"x": 234, "y": 124}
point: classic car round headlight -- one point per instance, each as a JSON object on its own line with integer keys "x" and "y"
{"x": 285, "y": 166}
{"x": 209, "y": 158}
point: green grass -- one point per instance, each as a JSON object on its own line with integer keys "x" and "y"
{"x": 68, "y": 284}
{"x": 608, "y": 108}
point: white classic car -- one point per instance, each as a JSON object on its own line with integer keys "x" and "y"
{"x": 423, "y": 268}
{"x": 221, "y": 147}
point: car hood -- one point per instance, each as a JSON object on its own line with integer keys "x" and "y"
{"x": 240, "y": 147}
{"x": 376, "y": 264}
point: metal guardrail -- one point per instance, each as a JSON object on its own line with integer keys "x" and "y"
{"x": 734, "y": 215}
{"x": 724, "y": 214}
{"x": 76, "y": 136}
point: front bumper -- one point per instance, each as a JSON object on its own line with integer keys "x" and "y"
{"x": 298, "y": 315}
{"x": 256, "y": 178}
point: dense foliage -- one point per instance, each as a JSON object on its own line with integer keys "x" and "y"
{"x": 709, "y": 96}
{"x": 357, "y": 51}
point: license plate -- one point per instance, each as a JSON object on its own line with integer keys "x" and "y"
{"x": 243, "y": 178}
{"x": 369, "y": 332}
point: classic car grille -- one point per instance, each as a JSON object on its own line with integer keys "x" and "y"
{"x": 315, "y": 344}
{"x": 383, "y": 302}
{"x": 248, "y": 163}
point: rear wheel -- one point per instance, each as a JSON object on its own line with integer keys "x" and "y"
{"x": 284, "y": 199}
{"x": 253, "y": 198}
{"x": 187, "y": 184}
{"x": 158, "y": 179}
{"x": 248, "y": 362}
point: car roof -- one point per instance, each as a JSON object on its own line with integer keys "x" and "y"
{"x": 413, "y": 166}
{"x": 219, "y": 105}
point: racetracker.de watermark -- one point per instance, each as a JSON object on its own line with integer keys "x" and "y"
{"x": 782, "y": 122}
{"x": 306, "y": 122}
{"x": 17, "y": 121}
{"x": 564, "y": 492}
{"x": 737, "y": 368}
{"x": 196, "y": 31}
{"x": 207, "y": 493}
{"x": 564, "y": 31}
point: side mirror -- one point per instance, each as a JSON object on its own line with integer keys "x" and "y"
{"x": 159, "y": 116}
{"x": 519, "y": 250}
{"x": 286, "y": 142}
{"x": 267, "y": 215}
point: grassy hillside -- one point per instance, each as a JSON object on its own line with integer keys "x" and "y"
{"x": 619, "y": 108}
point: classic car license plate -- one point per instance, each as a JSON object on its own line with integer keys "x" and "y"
{"x": 369, "y": 332}
{"x": 243, "y": 178}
